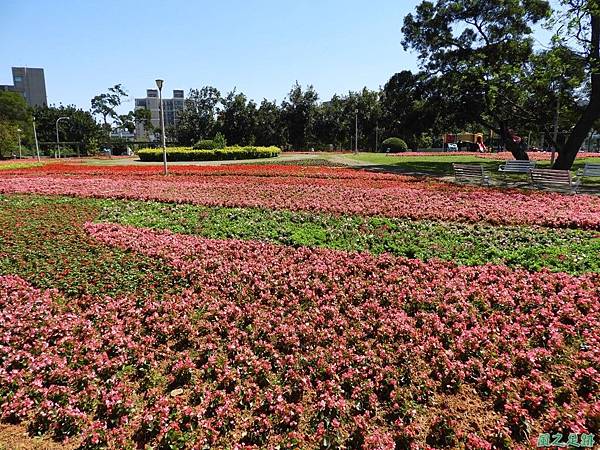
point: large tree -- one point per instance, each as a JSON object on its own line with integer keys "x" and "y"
{"x": 478, "y": 51}
{"x": 15, "y": 122}
{"x": 238, "y": 119}
{"x": 105, "y": 105}
{"x": 298, "y": 113}
{"x": 580, "y": 26}
{"x": 81, "y": 126}
{"x": 269, "y": 126}
{"x": 198, "y": 120}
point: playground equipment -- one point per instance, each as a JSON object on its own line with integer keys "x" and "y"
{"x": 474, "y": 141}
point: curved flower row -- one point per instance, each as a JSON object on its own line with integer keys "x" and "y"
{"x": 398, "y": 198}
{"x": 274, "y": 346}
{"x": 266, "y": 170}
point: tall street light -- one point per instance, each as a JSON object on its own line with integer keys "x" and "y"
{"x": 159, "y": 83}
{"x": 19, "y": 135}
{"x": 356, "y": 132}
{"x": 57, "y": 138}
{"x": 37, "y": 147}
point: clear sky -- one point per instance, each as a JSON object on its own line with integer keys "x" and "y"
{"x": 259, "y": 46}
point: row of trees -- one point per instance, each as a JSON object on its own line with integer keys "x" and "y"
{"x": 302, "y": 122}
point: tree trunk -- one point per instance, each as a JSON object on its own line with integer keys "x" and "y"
{"x": 567, "y": 155}
{"x": 517, "y": 148}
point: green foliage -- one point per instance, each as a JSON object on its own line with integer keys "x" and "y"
{"x": 238, "y": 119}
{"x": 105, "y": 104}
{"x": 534, "y": 248}
{"x": 206, "y": 144}
{"x": 198, "y": 119}
{"x": 298, "y": 113}
{"x": 189, "y": 154}
{"x": 8, "y": 139}
{"x": 81, "y": 126}
{"x": 14, "y": 116}
{"x": 394, "y": 145}
{"x": 51, "y": 250}
{"x": 220, "y": 140}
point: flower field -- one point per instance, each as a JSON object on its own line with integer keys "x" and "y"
{"x": 294, "y": 307}
{"x": 317, "y": 189}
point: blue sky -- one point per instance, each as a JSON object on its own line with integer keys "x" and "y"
{"x": 259, "y": 46}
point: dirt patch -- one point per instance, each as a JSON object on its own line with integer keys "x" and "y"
{"x": 15, "y": 437}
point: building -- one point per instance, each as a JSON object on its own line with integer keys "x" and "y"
{"x": 173, "y": 108}
{"x": 30, "y": 82}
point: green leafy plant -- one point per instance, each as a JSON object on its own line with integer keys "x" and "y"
{"x": 394, "y": 145}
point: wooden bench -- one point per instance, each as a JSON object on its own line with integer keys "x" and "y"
{"x": 471, "y": 172}
{"x": 554, "y": 179}
{"x": 515, "y": 166}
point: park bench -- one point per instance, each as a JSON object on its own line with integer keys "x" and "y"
{"x": 554, "y": 179}
{"x": 589, "y": 171}
{"x": 515, "y": 166}
{"x": 471, "y": 172}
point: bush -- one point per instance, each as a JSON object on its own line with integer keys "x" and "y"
{"x": 206, "y": 144}
{"x": 221, "y": 154}
{"x": 394, "y": 145}
{"x": 220, "y": 140}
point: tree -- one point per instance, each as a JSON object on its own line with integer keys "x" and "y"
{"x": 143, "y": 118}
{"x": 410, "y": 108}
{"x": 581, "y": 24}
{"x": 105, "y": 104}
{"x": 479, "y": 50}
{"x": 269, "y": 125}
{"x": 198, "y": 119}
{"x": 298, "y": 113}
{"x": 238, "y": 119}
{"x": 14, "y": 116}
{"x": 81, "y": 126}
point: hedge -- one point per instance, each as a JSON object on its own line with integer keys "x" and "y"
{"x": 189, "y": 154}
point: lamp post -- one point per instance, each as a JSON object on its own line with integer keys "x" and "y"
{"x": 159, "y": 84}
{"x": 19, "y": 136}
{"x": 356, "y": 131}
{"x": 57, "y": 138}
{"x": 37, "y": 148}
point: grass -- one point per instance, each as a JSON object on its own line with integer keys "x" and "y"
{"x": 534, "y": 248}
{"x": 441, "y": 165}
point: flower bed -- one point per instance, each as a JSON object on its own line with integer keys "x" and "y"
{"x": 390, "y": 197}
{"x": 304, "y": 348}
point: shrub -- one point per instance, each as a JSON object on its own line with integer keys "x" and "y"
{"x": 220, "y": 140}
{"x": 206, "y": 144}
{"x": 394, "y": 145}
{"x": 220, "y": 154}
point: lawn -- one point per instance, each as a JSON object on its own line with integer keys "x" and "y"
{"x": 294, "y": 306}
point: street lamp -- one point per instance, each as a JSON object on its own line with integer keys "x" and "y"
{"x": 159, "y": 83}
{"x": 19, "y": 136}
{"x": 356, "y": 132}
{"x": 37, "y": 148}
{"x": 57, "y": 138}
